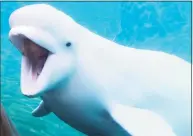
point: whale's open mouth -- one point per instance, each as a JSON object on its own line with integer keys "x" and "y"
{"x": 36, "y": 57}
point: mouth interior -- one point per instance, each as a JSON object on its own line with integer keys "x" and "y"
{"x": 36, "y": 57}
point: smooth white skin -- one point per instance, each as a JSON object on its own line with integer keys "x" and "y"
{"x": 101, "y": 71}
{"x": 139, "y": 122}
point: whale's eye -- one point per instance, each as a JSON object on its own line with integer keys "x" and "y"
{"x": 68, "y": 44}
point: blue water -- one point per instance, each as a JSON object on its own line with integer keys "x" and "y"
{"x": 163, "y": 26}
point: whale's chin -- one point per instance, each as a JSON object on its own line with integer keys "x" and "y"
{"x": 33, "y": 62}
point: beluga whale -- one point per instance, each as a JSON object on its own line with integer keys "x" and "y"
{"x": 95, "y": 85}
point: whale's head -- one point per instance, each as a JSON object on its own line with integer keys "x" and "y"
{"x": 43, "y": 35}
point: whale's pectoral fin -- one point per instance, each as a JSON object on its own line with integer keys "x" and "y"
{"x": 41, "y": 110}
{"x": 140, "y": 122}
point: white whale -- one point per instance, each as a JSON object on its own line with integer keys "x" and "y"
{"x": 97, "y": 86}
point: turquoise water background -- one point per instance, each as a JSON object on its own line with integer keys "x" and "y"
{"x": 163, "y": 26}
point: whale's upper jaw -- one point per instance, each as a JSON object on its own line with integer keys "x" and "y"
{"x": 44, "y": 37}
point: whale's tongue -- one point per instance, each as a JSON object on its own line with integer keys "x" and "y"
{"x": 36, "y": 56}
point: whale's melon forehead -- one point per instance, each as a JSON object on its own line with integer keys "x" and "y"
{"x": 38, "y": 15}
{"x": 44, "y": 18}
